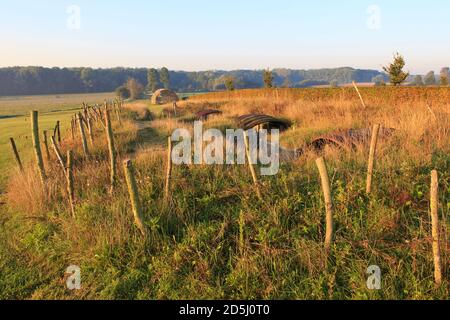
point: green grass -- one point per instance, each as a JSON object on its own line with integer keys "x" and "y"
{"x": 21, "y": 105}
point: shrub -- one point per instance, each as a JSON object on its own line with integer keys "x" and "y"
{"x": 430, "y": 79}
{"x": 123, "y": 92}
{"x": 135, "y": 87}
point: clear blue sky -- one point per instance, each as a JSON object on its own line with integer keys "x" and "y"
{"x": 231, "y": 34}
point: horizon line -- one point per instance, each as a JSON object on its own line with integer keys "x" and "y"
{"x": 180, "y": 70}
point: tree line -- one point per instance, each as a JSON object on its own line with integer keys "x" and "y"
{"x": 40, "y": 80}
{"x": 132, "y": 81}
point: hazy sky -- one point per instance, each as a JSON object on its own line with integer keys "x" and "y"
{"x": 226, "y": 34}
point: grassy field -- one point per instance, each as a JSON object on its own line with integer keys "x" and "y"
{"x": 15, "y": 121}
{"x": 217, "y": 239}
{"x": 21, "y": 105}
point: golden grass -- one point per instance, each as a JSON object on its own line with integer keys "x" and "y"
{"x": 421, "y": 127}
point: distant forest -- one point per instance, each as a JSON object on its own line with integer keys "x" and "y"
{"x": 40, "y": 80}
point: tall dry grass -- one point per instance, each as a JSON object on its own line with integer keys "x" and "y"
{"x": 421, "y": 116}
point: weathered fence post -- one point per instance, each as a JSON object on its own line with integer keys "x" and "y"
{"x": 47, "y": 152}
{"x": 112, "y": 149}
{"x": 434, "y": 206}
{"x": 373, "y": 149}
{"x": 85, "y": 113}
{"x": 328, "y": 202}
{"x": 72, "y": 128}
{"x": 90, "y": 131}
{"x": 116, "y": 109}
{"x": 37, "y": 144}
{"x": 99, "y": 115}
{"x": 56, "y": 131}
{"x": 58, "y": 125}
{"x": 250, "y": 164}
{"x": 241, "y": 232}
{"x": 16, "y": 154}
{"x": 168, "y": 172}
{"x": 83, "y": 135}
{"x": 359, "y": 94}
{"x": 58, "y": 154}
{"x": 134, "y": 196}
{"x": 70, "y": 182}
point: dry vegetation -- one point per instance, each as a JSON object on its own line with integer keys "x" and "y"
{"x": 218, "y": 239}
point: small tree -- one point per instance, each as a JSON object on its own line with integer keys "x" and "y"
{"x": 444, "y": 77}
{"x": 123, "y": 92}
{"x": 229, "y": 83}
{"x": 165, "y": 78}
{"x": 153, "y": 80}
{"x": 395, "y": 70}
{"x": 268, "y": 79}
{"x": 136, "y": 89}
{"x": 430, "y": 79}
{"x": 418, "y": 81}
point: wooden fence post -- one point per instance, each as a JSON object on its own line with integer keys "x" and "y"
{"x": 47, "y": 152}
{"x": 134, "y": 196}
{"x": 57, "y": 132}
{"x": 241, "y": 232}
{"x": 70, "y": 182}
{"x": 434, "y": 206}
{"x": 252, "y": 169}
{"x": 72, "y": 128}
{"x": 117, "y": 111}
{"x": 112, "y": 150}
{"x": 83, "y": 135}
{"x": 16, "y": 154}
{"x": 373, "y": 149}
{"x": 359, "y": 94}
{"x": 58, "y": 154}
{"x": 85, "y": 114}
{"x": 58, "y": 125}
{"x": 37, "y": 144}
{"x": 90, "y": 131}
{"x": 328, "y": 202}
{"x": 168, "y": 172}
